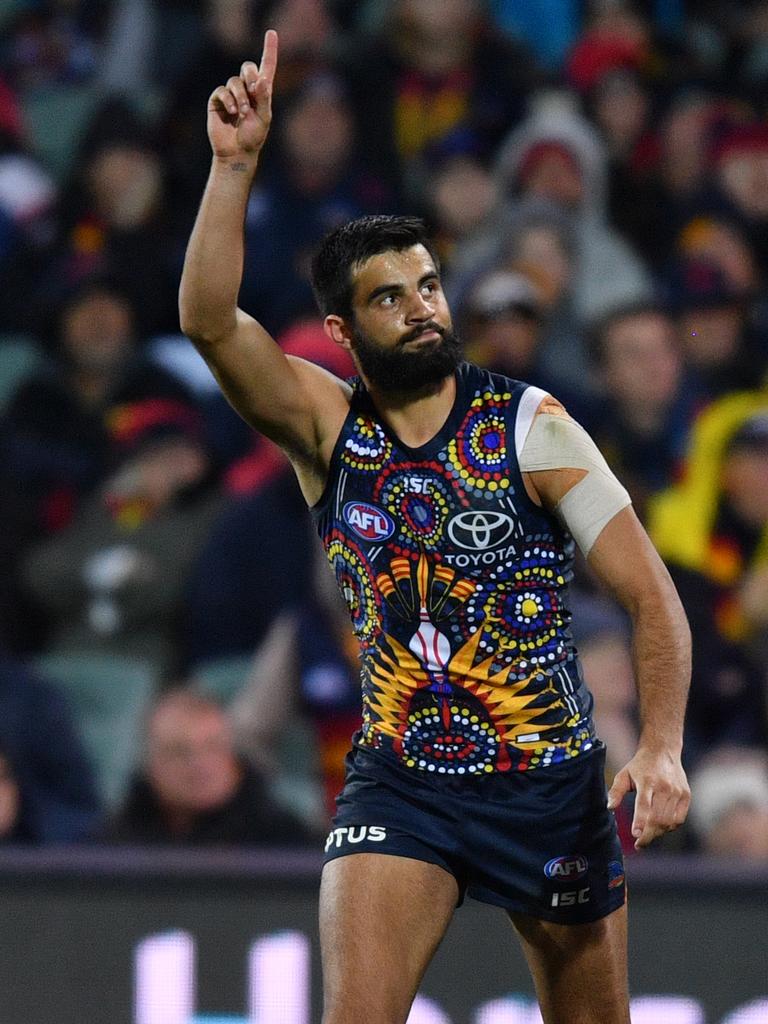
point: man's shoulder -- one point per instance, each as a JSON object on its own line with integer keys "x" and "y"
{"x": 485, "y": 378}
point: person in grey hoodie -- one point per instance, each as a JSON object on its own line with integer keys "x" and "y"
{"x": 552, "y": 170}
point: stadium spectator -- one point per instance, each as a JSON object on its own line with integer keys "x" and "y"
{"x": 459, "y": 195}
{"x": 729, "y": 807}
{"x": 718, "y": 239}
{"x": 535, "y": 238}
{"x": 54, "y": 44}
{"x": 117, "y": 219}
{"x": 721, "y": 351}
{"x": 611, "y": 76}
{"x": 740, "y": 169}
{"x": 553, "y": 218}
{"x": 503, "y": 330}
{"x": 502, "y": 324}
{"x": 229, "y": 32}
{"x": 438, "y": 69}
{"x": 316, "y": 181}
{"x": 47, "y": 787}
{"x": 57, "y": 428}
{"x": 27, "y": 196}
{"x": 194, "y": 788}
{"x": 644, "y": 417}
{"x": 112, "y": 582}
{"x": 685, "y": 138}
{"x": 711, "y": 530}
{"x": 557, "y": 155}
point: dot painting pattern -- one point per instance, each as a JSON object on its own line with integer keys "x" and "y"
{"x": 477, "y": 456}
{"x": 468, "y": 666}
{"x": 367, "y": 449}
{"x": 355, "y": 583}
{"x": 422, "y": 515}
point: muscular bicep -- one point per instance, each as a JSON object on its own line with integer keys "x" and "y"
{"x": 290, "y": 400}
{"x": 626, "y": 562}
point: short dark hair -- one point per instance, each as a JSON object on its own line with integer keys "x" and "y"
{"x": 351, "y": 245}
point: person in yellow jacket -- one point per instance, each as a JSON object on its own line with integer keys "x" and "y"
{"x": 712, "y": 531}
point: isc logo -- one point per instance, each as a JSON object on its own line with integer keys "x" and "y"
{"x": 566, "y": 867}
{"x": 417, "y": 484}
{"x": 570, "y": 899}
{"x": 367, "y": 521}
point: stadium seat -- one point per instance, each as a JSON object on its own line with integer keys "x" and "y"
{"x": 109, "y": 698}
{"x": 298, "y": 783}
{"x": 56, "y": 120}
{"x": 19, "y": 358}
{"x": 222, "y": 678}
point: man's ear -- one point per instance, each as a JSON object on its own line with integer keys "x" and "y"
{"x": 338, "y": 331}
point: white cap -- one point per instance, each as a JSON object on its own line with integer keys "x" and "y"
{"x": 721, "y": 786}
{"x": 502, "y": 290}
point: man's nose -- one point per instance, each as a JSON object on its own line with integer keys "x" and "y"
{"x": 420, "y": 308}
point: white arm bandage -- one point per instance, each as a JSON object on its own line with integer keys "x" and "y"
{"x": 558, "y": 442}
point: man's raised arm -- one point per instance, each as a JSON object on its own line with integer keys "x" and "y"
{"x": 277, "y": 395}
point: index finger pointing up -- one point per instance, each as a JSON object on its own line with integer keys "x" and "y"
{"x": 268, "y": 64}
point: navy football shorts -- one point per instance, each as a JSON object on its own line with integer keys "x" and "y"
{"x": 540, "y": 842}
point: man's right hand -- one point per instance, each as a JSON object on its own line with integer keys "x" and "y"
{"x": 240, "y": 112}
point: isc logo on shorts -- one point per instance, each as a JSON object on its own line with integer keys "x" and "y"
{"x": 570, "y": 899}
{"x": 373, "y": 833}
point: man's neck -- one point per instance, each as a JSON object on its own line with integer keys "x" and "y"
{"x": 416, "y": 417}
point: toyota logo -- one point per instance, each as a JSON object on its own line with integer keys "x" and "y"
{"x": 475, "y": 531}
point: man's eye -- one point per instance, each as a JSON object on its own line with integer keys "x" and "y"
{"x": 388, "y": 300}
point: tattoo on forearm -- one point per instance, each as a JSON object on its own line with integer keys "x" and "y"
{"x": 238, "y": 165}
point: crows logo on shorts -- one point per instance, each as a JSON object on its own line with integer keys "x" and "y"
{"x": 615, "y": 874}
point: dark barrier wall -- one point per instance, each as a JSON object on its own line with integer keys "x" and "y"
{"x": 129, "y": 937}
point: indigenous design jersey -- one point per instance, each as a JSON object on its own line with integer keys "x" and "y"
{"x": 456, "y": 584}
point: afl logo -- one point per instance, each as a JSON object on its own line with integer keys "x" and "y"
{"x": 367, "y": 521}
{"x": 476, "y": 531}
{"x": 569, "y": 868}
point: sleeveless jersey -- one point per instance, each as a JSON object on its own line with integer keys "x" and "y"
{"x": 456, "y": 583}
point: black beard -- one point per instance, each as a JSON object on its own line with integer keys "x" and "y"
{"x": 400, "y": 370}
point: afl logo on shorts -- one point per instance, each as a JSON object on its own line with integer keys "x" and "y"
{"x": 567, "y": 868}
{"x": 476, "y": 531}
{"x": 367, "y": 521}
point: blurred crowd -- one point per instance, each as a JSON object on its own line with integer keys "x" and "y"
{"x": 174, "y": 663}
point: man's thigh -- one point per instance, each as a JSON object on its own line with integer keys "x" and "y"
{"x": 579, "y": 970}
{"x": 381, "y": 919}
